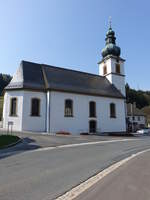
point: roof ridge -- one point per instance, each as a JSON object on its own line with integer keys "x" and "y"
{"x": 73, "y": 70}
{"x": 67, "y": 69}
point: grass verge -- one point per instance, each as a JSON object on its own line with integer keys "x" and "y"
{"x": 6, "y": 140}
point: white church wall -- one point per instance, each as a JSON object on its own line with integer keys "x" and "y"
{"x": 34, "y": 123}
{"x": 80, "y": 120}
{"x": 16, "y": 120}
{"x": 24, "y": 121}
{"x": 76, "y": 124}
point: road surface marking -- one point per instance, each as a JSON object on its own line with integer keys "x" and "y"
{"x": 64, "y": 146}
{"x": 76, "y": 191}
{"x": 82, "y": 144}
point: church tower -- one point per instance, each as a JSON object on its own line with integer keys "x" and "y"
{"x": 112, "y": 65}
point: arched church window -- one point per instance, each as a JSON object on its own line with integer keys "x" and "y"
{"x": 92, "y": 109}
{"x": 104, "y": 70}
{"x": 68, "y": 108}
{"x": 13, "y": 107}
{"x": 35, "y": 107}
{"x": 112, "y": 110}
{"x": 118, "y": 68}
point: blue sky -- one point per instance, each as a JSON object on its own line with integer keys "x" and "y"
{"x": 71, "y": 33}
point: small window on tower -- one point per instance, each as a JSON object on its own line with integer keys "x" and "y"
{"x": 105, "y": 70}
{"x": 118, "y": 68}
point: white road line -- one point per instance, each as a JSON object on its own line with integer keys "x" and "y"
{"x": 66, "y": 146}
{"x": 76, "y": 191}
{"x": 82, "y": 144}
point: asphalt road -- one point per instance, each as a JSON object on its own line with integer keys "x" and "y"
{"x": 32, "y": 141}
{"x": 44, "y": 175}
{"x": 131, "y": 181}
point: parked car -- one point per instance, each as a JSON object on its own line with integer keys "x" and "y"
{"x": 144, "y": 131}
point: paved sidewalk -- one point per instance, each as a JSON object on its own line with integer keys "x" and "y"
{"x": 129, "y": 182}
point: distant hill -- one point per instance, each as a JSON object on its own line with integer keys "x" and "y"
{"x": 142, "y": 98}
{"x": 146, "y": 110}
{"x": 4, "y": 80}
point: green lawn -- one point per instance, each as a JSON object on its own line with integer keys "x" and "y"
{"x": 7, "y": 140}
{"x": 1, "y": 107}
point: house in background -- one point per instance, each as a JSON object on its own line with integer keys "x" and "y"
{"x": 136, "y": 119}
{"x": 146, "y": 111}
{"x": 44, "y": 98}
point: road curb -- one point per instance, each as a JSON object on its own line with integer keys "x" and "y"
{"x": 76, "y": 191}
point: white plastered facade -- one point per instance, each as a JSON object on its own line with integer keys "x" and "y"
{"x": 52, "y": 117}
{"x": 24, "y": 121}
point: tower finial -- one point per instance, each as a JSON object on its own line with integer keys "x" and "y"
{"x": 110, "y": 21}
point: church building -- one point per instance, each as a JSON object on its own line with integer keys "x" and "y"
{"x": 45, "y": 98}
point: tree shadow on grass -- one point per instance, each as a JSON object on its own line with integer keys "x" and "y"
{"x": 27, "y": 144}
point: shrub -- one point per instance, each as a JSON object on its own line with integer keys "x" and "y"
{"x": 63, "y": 133}
{"x": 8, "y": 140}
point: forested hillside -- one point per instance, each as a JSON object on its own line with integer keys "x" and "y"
{"x": 142, "y": 98}
{"x": 4, "y": 80}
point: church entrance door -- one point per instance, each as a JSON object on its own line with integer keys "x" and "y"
{"x": 92, "y": 126}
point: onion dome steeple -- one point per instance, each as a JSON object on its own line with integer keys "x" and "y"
{"x": 110, "y": 47}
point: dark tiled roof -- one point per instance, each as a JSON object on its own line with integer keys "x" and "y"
{"x": 43, "y": 77}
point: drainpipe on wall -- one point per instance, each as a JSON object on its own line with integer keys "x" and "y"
{"x": 48, "y": 112}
